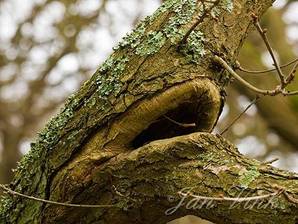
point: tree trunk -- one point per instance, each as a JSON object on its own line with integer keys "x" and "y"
{"x": 101, "y": 148}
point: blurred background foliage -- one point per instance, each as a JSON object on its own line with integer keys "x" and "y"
{"x": 48, "y": 48}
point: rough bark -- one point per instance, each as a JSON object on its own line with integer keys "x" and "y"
{"x": 105, "y": 127}
{"x": 144, "y": 184}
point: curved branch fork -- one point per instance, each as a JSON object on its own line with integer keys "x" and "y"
{"x": 199, "y": 174}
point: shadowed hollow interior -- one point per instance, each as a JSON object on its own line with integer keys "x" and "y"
{"x": 179, "y": 121}
{"x": 196, "y": 103}
{"x": 185, "y": 108}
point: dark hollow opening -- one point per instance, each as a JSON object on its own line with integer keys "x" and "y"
{"x": 163, "y": 128}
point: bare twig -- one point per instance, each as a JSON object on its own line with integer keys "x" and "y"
{"x": 270, "y": 161}
{"x": 245, "y": 83}
{"x": 9, "y": 191}
{"x": 291, "y": 75}
{"x": 274, "y": 92}
{"x": 178, "y": 123}
{"x": 292, "y": 93}
{"x": 240, "y": 115}
{"x": 267, "y": 43}
{"x": 265, "y": 71}
{"x": 284, "y": 80}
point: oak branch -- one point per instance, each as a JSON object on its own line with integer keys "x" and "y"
{"x": 131, "y": 137}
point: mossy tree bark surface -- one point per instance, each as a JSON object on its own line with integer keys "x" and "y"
{"x": 105, "y": 148}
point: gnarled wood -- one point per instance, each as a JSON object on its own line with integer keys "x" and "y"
{"x": 155, "y": 71}
{"x": 145, "y": 183}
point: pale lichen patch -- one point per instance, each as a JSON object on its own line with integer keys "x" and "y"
{"x": 248, "y": 176}
{"x": 194, "y": 49}
{"x": 153, "y": 42}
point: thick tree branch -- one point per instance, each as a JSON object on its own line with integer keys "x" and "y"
{"x": 152, "y": 181}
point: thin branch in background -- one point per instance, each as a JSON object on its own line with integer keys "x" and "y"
{"x": 291, "y": 75}
{"x": 265, "y": 71}
{"x": 267, "y": 43}
{"x": 241, "y": 80}
{"x": 270, "y": 161}
{"x": 240, "y": 115}
{"x": 278, "y": 89}
{"x": 284, "y": 81}
{"x": 292, "y": 93}
{"x": 9, "y": 191}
